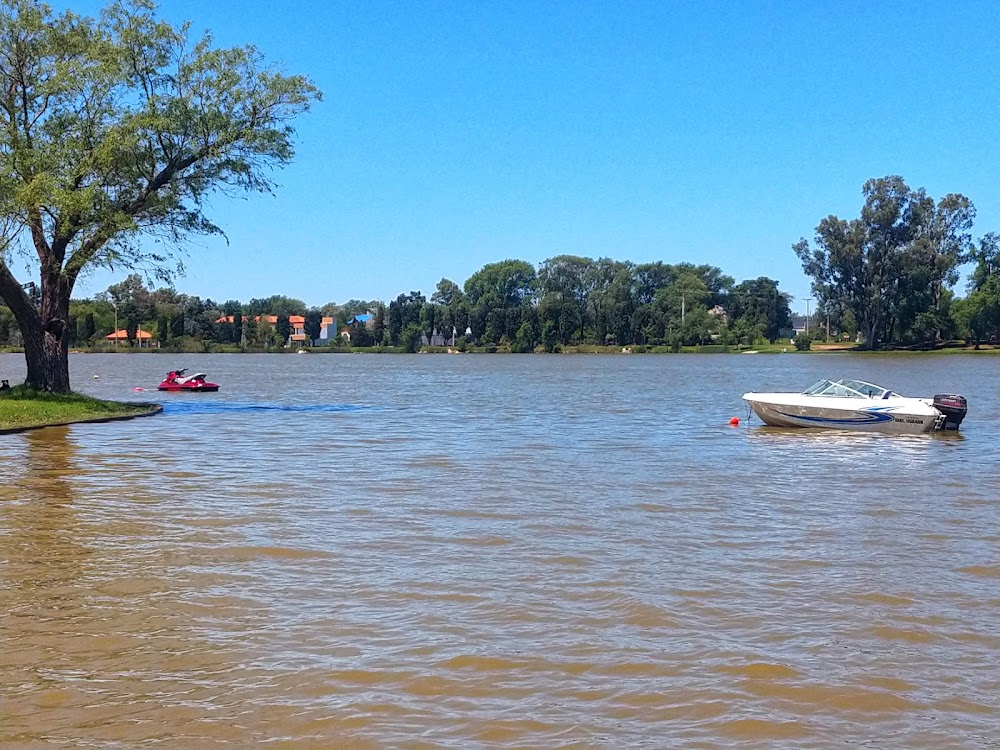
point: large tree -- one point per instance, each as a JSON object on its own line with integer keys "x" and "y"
{"x": 979, "y": 313}
{"x": 113, "y": 132}
{"x": 568, "y": 280}
{"x": 871, "y": 265}
{"x": 611, "y": 299}
{"x": 498, "y": 295}
{"x": 757, "y": 305}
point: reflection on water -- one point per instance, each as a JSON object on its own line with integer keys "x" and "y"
{"x": 498, "y": 552}
{"x": 844, "y": 447}
{"x": 846, "y": 438}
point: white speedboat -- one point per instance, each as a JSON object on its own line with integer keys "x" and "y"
{"x": 856, "y": 405}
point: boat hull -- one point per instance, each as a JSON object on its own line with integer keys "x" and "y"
{"x": 206, "y": 388}
{"x": 902, "y": 419}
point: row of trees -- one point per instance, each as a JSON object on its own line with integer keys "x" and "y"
{"x": 887, "y": 276}
{"x": 174, "y": 318}
{"x": 570, "y": 299}
{"x": 890, "y": 273}
{"x": 566, "y": 300}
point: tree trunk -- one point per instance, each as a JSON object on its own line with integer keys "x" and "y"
{"x": 45, "y": 332}
{"x": 47, "y": 358}
{"x": 871, "y": 326}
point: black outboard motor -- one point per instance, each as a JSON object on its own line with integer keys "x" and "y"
{"x": 954, "y": 408}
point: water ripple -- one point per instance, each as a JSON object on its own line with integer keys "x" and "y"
{"x": 230, "y": 407}
{"x": 462, "y": 552}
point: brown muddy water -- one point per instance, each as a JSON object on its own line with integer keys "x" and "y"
{"x": 499, "y": 552}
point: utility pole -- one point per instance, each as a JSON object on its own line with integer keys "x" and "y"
{"x": 808, "y": 300}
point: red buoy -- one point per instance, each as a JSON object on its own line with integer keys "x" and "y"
{"x": 734, "y": 422}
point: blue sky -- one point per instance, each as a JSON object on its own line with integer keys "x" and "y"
{"x": 455, "y": 134}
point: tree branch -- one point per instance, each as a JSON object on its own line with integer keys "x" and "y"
{"x": 16, "y": 298}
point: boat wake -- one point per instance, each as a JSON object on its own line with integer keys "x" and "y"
{"x": 229, "y": 407}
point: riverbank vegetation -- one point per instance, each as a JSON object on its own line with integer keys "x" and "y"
{"x": 572, "y": 303}
{"x": 568, "y": 301}
{"x": 568, "y": 304}
{"x": 890, "y": 274}
{"x": 24, "y": 408}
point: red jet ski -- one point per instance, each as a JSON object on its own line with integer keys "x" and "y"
{"x": 177, "y": 381}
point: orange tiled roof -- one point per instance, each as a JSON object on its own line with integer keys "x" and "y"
{"x": 122, "y": 335}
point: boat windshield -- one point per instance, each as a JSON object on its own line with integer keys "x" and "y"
{"x": 846, "y": 388}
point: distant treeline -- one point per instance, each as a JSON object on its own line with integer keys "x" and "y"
{"x": 889, "y": 274}
{"x": 566, "y": 300}
{"x": 886, "y": 278}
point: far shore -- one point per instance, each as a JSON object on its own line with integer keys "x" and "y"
{"x": 780, "y": 347}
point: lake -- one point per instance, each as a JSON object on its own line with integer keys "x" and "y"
{"x": 578, "y": 551}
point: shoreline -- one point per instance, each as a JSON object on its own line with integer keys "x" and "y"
{"x": 157, "y": 408}
{"x": 22, "y": 410}
{"x": 817, "y": 348}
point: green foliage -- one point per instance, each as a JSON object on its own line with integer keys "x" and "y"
{"x": 760, "y": 307}
{"x": 566, "y": 283}
{"x": 506, "y": 284}
{"x": 978, "y": 316}
{"x": 405, "y": 311}
{"x": 891, "y": 267}
{"x": 410, "y": 338}
{"x": 283, "y": 329}
{"x": 117, "y": 127}
{"x": 524, "y": 341}
{"x": 549, "y": 336}
{"x": 378, "y": 324}
{"x": 313, "y": 324}
{"x": 86, "y": 329}
{"x": 802, "y": 342}
{"x": 613, "y": 312}
{"x": 177, "y": 325}
{"x": 986, "y": 256}
{"x": 447, "y": 293}
{"x": 8, "y": 327}
{"x": 361, "y": 336}
{"x": 339, "y": 343}
{"x": 276, "y": 304}
{"x": 500, "y": 297}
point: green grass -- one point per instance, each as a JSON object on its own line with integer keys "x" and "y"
{"x": 22, "y": 408}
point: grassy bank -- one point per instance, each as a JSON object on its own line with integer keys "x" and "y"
{"x": 22, "y": 408}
